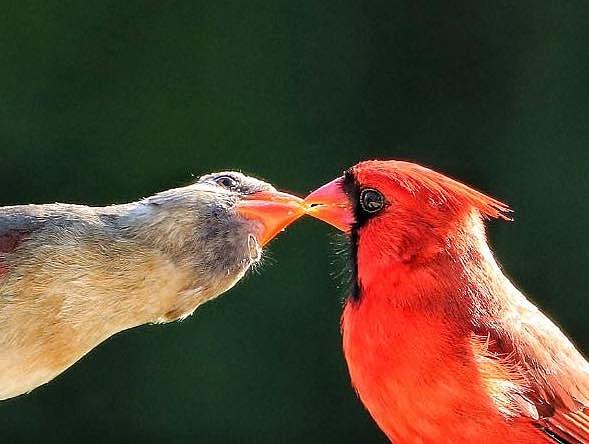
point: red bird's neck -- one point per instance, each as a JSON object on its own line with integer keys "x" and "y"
{"x": 406, "y": 341}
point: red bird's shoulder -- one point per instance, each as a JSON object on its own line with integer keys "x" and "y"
{"x": 531, "y": 369}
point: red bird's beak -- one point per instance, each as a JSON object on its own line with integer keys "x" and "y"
{"x": 273, "y": 209}
{"x": 331, "y": 204}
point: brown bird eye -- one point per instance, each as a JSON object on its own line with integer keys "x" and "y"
{"x": 227, "y": 182}
{"x": 371, "y": 201}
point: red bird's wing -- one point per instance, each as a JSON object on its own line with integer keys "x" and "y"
{"x": 531, "y": 369}
{"x": 571, "y": 427}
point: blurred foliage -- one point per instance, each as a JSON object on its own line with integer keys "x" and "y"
{"x": 110, "y": 101}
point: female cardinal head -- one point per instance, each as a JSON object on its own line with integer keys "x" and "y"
{"x": 214, "y": 229}
{"x": 399, "y": 213}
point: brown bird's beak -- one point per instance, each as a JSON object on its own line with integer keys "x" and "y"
{"x": 273, "y": 209}
{"x": 331, "y": 204}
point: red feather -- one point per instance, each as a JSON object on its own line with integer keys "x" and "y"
{"x": 429, "y": 185}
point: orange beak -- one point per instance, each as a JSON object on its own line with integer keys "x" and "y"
{"x": 331, "y": 204}
{"x": 273, "y": 209}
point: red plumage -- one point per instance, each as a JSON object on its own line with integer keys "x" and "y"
{"x": 441, "y": 347}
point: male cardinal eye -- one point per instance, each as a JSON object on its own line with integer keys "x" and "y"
{"x": 227, "y": 182}
{"x": 371, "y": 201}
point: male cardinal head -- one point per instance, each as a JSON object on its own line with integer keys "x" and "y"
{"x": 440, "y": 346}
{"x": 72, "y": 275}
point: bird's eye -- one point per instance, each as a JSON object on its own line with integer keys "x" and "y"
{"x": 371, "y": 201}
{"x": 227, "y": 182}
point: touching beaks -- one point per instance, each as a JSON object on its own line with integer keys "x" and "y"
{"x": 331, "y": 204}
{"x": 276, "y": 210}
{"x": 273, "y": 209}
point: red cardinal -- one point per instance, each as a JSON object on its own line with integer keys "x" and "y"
{"x": 440, "y": 345}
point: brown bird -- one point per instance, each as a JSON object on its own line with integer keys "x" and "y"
{"x": 73, "y": 275}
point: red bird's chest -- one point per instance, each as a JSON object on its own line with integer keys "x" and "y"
{"x": 419, "y": 383}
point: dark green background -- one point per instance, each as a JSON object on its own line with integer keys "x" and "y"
{"x": 109, "y": 101}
